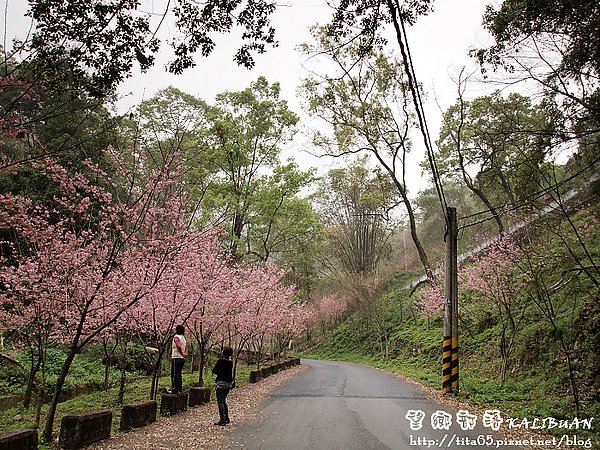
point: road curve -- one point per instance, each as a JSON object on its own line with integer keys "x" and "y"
{"x": 352, "y": 407}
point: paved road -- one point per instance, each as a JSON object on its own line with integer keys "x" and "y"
{"x": 351, "y": 407}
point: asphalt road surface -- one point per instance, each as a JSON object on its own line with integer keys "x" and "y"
{"x": 352, "y": 407}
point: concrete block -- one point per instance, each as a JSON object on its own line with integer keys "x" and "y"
{"x": 172, "y": 404}
{"x": 199, "y": 396}
{"x": 137, "y": 415}
{"x": 19, "y": 440}
{"x": 79, "y": 430}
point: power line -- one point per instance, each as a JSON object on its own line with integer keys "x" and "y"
{"x": 538, "y": 193}
{"x": 413, "y": 86}
{"x": 508, "y": 207}
{"x": 426, "y": 134}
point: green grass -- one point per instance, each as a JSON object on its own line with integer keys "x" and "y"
{"x": 537, "y": 382}
{"x": 137, "y": 389}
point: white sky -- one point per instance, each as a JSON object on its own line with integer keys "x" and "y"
{"x": 439, "y": 44}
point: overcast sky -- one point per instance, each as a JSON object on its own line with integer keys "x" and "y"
{"x": 439, "y": 44}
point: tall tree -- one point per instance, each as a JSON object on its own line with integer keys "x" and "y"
{"x": 37, "y": 120}
{"x": 165, "y": 127}
{"x": 366, "y": 104}
{"x": 563, "y": 37}
{"x": 555, "y": 44}
{"x": 431, "y": 219}
{"x": 241, "y": 149}
{"x": 497, "y": 146}
{"x": 231, "y": 167}
{"x": 84, "y": 263}
{"x": 169, "y": 122}
{"x": 354, "y": 203}
{"x": 101, "y": 40}
{"x": 281, "y": 221}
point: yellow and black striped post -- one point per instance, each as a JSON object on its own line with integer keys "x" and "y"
{"x": 454, "y": 365}
{"x": 450, "y": 347}
{"x": 447, "y": 366}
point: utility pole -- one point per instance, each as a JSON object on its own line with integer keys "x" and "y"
{"x": 450, "y": 345}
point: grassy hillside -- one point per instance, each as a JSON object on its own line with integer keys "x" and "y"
{"x": 554, "y": 344}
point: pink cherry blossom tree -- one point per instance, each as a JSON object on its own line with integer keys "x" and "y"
{"x": 330, "y": 310}
{"x": 87, "y": 257}
{"x": 260, "y": 299}
{"x": 321, "y": 314}
{"x": 213, "y": 287}
{"x": 296, "y": 318}
{"x": 182, "y": 295}
{"x": 492, "y": 277}
{"x": 431, "y": 299}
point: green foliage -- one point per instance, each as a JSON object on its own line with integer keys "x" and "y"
{"x": 137, "y": 389}
{"x": 230, "y": 155}
{"x": 538, "y": 382}
{"x": 554, "y": 43}
{"x": 87, "y": 369}
{"x": 84, "y": 371}
{"x": 432, "y": 223}
{"x": 362, "y": 20}
{"x": 574, "y": 21}
{"x": 354, "y": 203}
{"x": 496, "y": 146}
{"x": 57, "y": 120}
{"x": 365, "y": 101}
{"x": 12, "y": 378}
{"x": 242, "y": 181}
{"x": 102, "y": 41}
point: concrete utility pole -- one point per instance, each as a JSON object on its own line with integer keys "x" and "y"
{"x": 450, "y": 346}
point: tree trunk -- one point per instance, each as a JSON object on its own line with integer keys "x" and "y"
{"x": 60, "y": 381}
{"x": 106, "y": 375}
{"x": 39, "y": 400}
{"x": 202, "y": 361}
{"x": 572, "y": 379}
{"x": 122, "y": 381}
{"x": 420, "y": 250}
{"x": 108, "y": 353}
{"x": 155, "y": 375}
{"x": 243, "y": 343}
{"x": 504, "y": 354}
{"x": 35, "y": 367}
{"x": 479, "y": 193}
{"x": 238, "y": 227}
{"x": 506, "y": 188}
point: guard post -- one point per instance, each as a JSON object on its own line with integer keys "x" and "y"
{"x": 450, "y": 345}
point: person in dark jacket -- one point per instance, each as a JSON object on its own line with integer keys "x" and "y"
{"x": 224, "y": 382}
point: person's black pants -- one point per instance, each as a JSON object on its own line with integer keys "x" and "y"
{"x": 223, "y": 411}
{"x": 176, "y": 368}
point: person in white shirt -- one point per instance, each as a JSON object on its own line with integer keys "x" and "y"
{"x": 179, "y": 352}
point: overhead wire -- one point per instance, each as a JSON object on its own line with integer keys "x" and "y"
{"x": 427, "y": 135}
{"x": 508, "y": 207}
{"x": 539, "y": 193}
{"x": 414, "y": 88}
